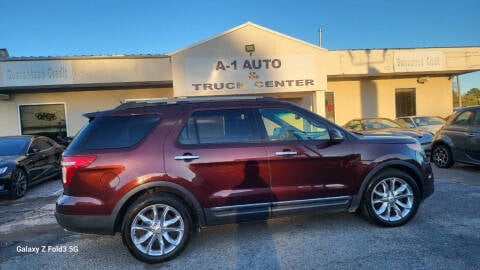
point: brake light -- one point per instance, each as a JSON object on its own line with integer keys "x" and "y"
{"x": 71, "y": 164}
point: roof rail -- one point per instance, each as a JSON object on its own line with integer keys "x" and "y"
{"x": 153, "y": 102}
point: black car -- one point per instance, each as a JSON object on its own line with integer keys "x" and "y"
{"x": 459, "y": 139}
{"x": 25, "y": 160}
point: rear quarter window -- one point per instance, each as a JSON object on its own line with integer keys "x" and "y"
{"x": 114, "y": 132}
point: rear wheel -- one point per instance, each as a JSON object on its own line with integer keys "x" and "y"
{"x": 19, "y": 183}
{"x": 391, "y": 199}
{"x": 157, "y": 227}
{"x": 442, "y": 156}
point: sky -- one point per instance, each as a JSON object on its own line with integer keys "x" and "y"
{"x": 111, "y": 27}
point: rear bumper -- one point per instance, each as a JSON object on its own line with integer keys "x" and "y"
{"x": 81, "y": 222}
{"x": 95, "y": 224}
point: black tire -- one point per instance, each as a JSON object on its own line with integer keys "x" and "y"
{"x": 19, "y": 184}
{"x": 442, "y": 156}
{"x": 403, "y": 199}
{"x": 157, "y": 234}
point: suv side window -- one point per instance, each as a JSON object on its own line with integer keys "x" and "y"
{"x": 219, "y": 126}
{"x": 476, "y": 120}
{"x": 463, "y": 119}
{"x": 286, "y": 125}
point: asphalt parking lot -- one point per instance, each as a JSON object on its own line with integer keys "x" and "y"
{"x": 443, "y": 235}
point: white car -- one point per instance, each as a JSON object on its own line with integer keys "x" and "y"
{"x": 427, "y": 123}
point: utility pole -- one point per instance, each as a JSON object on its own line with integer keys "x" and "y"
{"x": 320, "y": 31}
{"x": 459, "y": 93}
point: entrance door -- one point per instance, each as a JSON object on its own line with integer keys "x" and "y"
{"x": 405, "y": 102}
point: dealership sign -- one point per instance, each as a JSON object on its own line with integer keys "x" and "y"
{"x": 250, "y": 74}
{"x": 32, "y": 73}
{"x": 418, "y": 61}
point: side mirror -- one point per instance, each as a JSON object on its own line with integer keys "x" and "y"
{"x": 336, "y": 136}
{"x": 33, "y": 151}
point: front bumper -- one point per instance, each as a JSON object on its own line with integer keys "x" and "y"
{"x": 5, "y": 184}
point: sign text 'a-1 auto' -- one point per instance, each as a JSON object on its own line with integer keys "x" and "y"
{"x": 249, "y": 74}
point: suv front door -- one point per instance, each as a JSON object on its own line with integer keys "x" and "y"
{"x": 307, "y": 166}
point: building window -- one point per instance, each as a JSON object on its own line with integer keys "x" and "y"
{"x": 43, "y": 119}
{"x": 405, "y": 102}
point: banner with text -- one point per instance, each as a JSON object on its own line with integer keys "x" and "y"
{"x": 29, "y": 73}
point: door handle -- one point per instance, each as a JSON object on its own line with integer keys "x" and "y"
{"x": 470, "y": 134}
{"x": 186, "y": 157}
{"x": 286, "y": 153}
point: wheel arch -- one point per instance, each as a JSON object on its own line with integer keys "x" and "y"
{"x": 401, "y": 165}
{"x": 176, "y": 190}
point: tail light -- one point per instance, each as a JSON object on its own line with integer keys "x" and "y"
{"x": 71, "y": 164}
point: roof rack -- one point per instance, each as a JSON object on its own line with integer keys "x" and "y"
{"x": 154, "y": 102}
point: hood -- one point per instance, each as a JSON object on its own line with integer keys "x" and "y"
{"x": 414, "y": 133}
{"x": 385, "y": 139}
{"x": 431, "y": 128}
{"x": 8, "y": 159}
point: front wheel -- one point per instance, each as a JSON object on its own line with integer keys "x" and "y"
{"x": 19, "y": 183}
{"x": 156, "y": 227}
{"x": 442, "y": 156}
{"x": 391, "y": 199}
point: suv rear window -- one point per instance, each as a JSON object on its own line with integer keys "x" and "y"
{"x": 114, "y": 132}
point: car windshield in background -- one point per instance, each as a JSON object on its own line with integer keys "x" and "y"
{"x": 379, "y": 124}
{"x": 428, "y": 121}
{"x": 13, "y": 146}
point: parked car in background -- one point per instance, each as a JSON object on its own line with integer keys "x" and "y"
{"x": 459, "y": 139}
{"x": 385, "y": 126}
{"x": 156, "y": 172}
{"x": 27, "y": 160}
{"x": 427, "y": 123}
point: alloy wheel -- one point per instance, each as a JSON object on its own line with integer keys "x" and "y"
{"x": 19, "y": 183}
{"x": 157, "y": 230}
{"x": 441, "y": 156}
{"x": 392, "y": 199}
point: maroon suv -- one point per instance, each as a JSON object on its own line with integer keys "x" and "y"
{"x": 158, "y": 171}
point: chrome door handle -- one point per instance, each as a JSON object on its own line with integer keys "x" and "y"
{"x": 186, "y": 157}
{"x": 470, "y": 134}
{"x": 286, "y": 153}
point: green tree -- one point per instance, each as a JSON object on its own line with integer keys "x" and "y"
{"x": 472, "y": 97}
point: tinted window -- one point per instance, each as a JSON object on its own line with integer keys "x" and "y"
{"x": 13, "y": 146}
{"x": 114, "y": 132}
{"x": 476, "y": 120}
{"x": 405, "y": 122}
{"x": 219, "y": 126}
{"x": 287, "y": 125}
{"x": 39, "y": 145}
{"x": 354, "y": 124}
{"x": 463, "y": 118}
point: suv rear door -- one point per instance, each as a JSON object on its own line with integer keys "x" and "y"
{"x": 219, "y": 156}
